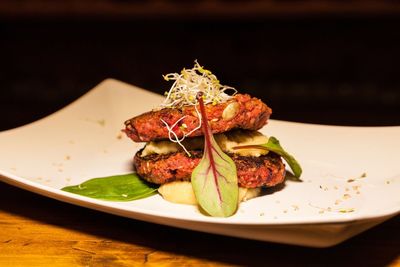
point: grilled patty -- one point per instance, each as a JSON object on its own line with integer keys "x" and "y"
{"x": 252, "y": 172}
{"x": 241, "y": 111}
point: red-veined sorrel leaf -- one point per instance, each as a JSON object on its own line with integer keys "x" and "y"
{"x": 214, "y": 180}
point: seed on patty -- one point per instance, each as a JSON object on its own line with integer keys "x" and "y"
{"x": 231, "y": 110}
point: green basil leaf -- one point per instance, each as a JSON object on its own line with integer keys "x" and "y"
{"x": 124, "y": 187}
{"x": 274, "y": 145}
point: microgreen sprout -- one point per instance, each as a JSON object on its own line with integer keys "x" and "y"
{"x": 191, "y": 81}
{"x": 183, "y": 92}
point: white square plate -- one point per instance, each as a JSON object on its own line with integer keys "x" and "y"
{"x": 334, "y": 202}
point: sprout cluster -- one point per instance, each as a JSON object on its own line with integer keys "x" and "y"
{"x": 183, "y": 92}
{"x": 191, "y": 81}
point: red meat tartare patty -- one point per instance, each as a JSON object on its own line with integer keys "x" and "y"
{"x": 252, "y": 172}
{"x": 246, "y": 113}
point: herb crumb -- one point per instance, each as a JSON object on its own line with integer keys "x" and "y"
{"x": 363, "y": 175}
{"x": 346, "y": 210}
{"x": 101, "y": 122}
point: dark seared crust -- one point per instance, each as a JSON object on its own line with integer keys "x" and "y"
{"x": 252, "y": 114}
{"x": 252, "y": 172}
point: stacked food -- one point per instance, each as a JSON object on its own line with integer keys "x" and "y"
{"x": 176, "y": 134}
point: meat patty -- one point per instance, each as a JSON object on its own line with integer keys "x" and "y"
{"x": 267, "y": 170}
{"x": 241, "y": 111}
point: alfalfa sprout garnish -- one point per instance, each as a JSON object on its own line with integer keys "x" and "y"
{"x": 184, "y": 90}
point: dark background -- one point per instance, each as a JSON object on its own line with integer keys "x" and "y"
{"x": 331, "y": 62}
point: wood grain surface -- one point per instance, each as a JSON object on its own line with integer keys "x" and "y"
{"x": 38, "y": 231}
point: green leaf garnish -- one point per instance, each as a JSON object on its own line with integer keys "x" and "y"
{"x": 124, "y": 187}
{"x": 214, "y": 180}
{"x": 274, "y": 146}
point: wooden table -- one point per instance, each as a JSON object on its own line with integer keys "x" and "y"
{"x": 38, "y": 231}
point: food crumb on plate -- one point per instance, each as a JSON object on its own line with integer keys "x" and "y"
{"x": 346, "y": 196}
{"x": 346, "y": 210}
